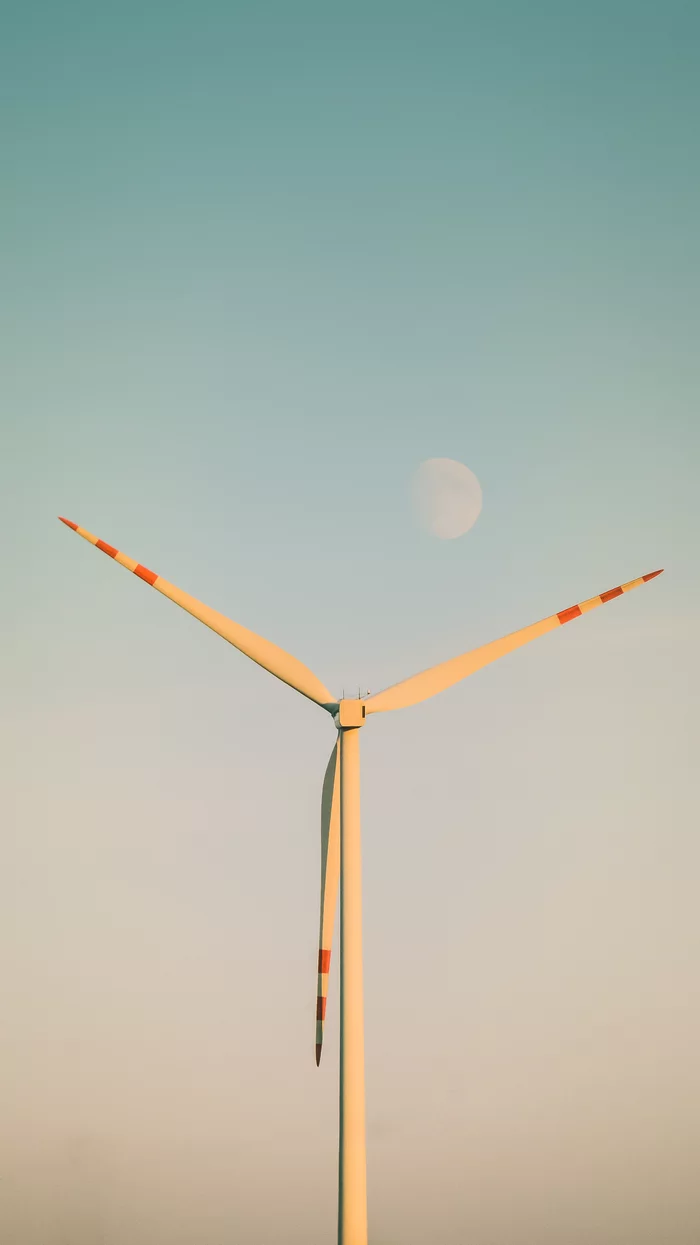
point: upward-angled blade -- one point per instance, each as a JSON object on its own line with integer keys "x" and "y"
{"x": 267, "y": 655}
{"x": 330, "y": 873}
{"x": 438, "y": 678}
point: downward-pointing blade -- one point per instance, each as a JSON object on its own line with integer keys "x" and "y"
{"x": 330, "y": 873}
{"x": 266, "y": 654}
{"x": 421, "y": 686}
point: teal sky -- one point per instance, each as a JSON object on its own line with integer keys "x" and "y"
{"x": 257, "y": 262}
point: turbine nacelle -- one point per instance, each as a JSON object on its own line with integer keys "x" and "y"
{"x": 350, "y": 713}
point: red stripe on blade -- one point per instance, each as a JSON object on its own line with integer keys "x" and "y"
{"x": 101, "y": 544}
{"x": 612, "y": 592}
{"x": 566, "y": 615}
{"x": 324, "y": 961}
{"x": 321, "y": 1008}
{"x": 144, "y": 573}
{"x": 68, "y": 523}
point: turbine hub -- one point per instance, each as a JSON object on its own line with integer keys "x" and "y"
{"x": 350, "y": 713}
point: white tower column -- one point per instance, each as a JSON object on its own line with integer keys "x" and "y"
{"x": 352, "y": 1175}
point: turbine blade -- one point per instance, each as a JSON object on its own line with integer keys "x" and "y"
{"x": 330, "y": 874}
{"x": 438, "y": 678}
{"x": 266, "y": 654}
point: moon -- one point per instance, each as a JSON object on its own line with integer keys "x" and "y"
{"x": 447, "y": 497}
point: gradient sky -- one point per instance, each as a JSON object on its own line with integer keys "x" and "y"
{"x": 257, "y": 261}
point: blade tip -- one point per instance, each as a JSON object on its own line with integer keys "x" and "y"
{"x": 318, "y": 1054}
{"x": 69, "y": 523}
{"x": 652, "y": 575}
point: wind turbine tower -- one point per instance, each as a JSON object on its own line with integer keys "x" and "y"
{"x": 341, "y": 858}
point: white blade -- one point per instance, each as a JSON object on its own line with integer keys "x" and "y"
{"x": 430, "y": 682}
{"x": 330, "y": 873}
{"x": 266, "y": 654}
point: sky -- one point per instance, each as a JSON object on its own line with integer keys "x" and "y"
{"x": 257, "y": 263}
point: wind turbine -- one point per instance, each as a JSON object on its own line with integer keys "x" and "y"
{"x": 340, "y": 837}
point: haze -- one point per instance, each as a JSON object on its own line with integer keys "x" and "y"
{"x": 258, "y": 263}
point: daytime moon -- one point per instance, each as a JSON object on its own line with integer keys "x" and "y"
{"x": 447, "y": 497}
